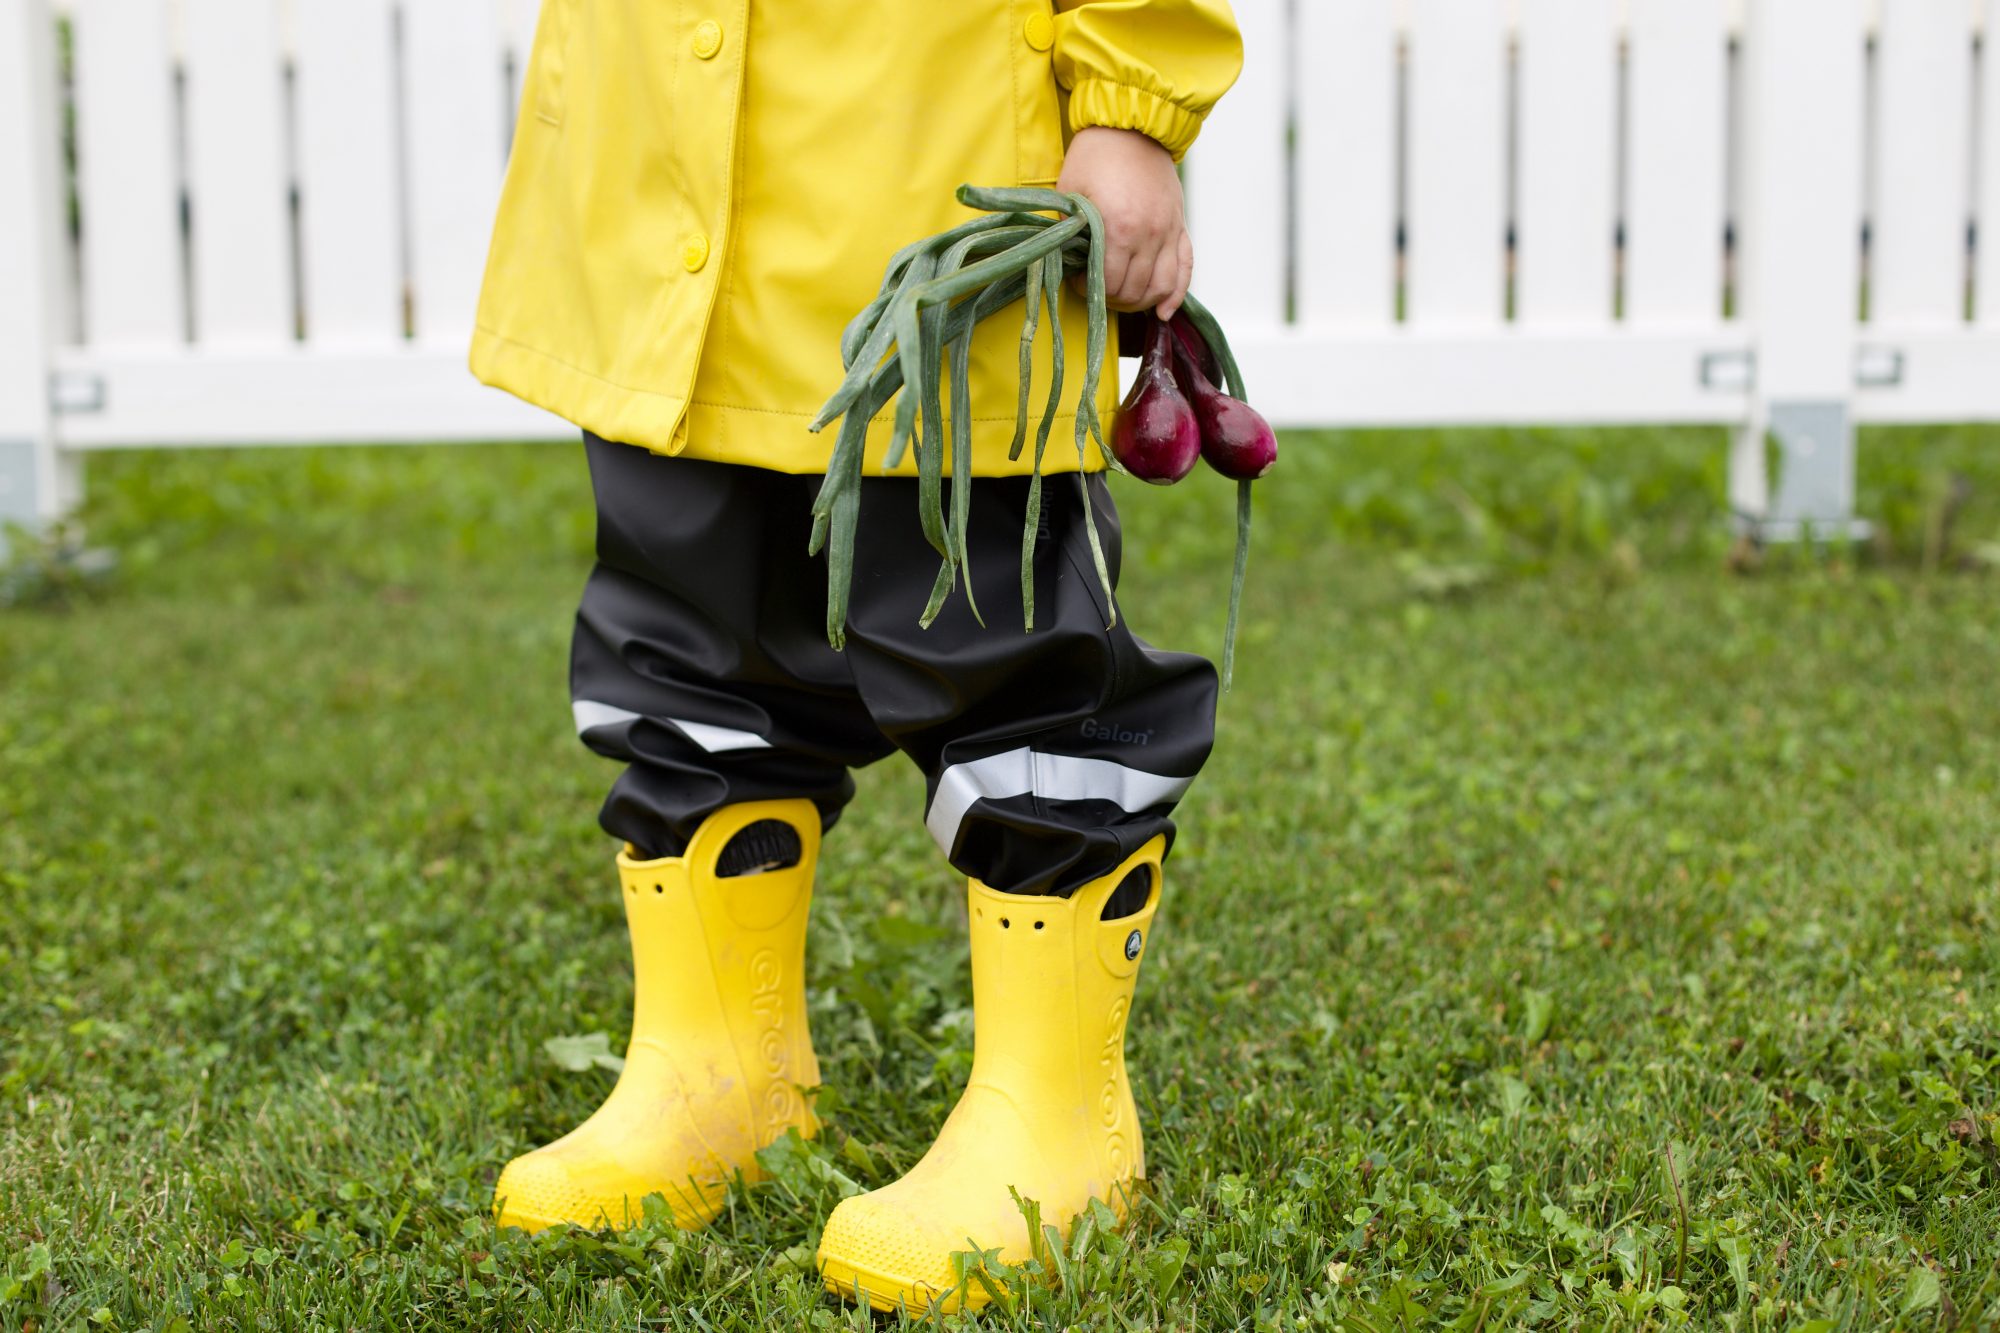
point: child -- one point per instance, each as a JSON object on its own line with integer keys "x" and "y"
{"x": 700, "y": 196}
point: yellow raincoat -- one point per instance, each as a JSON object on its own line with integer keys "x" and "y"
{"x": 703, "y": 192}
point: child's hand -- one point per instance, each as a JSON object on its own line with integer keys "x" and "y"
{"x": 1148, "y": 258}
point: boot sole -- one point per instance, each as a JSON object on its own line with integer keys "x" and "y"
{"x": 881, "y": 1292}
{"x": 684, "y": 1219}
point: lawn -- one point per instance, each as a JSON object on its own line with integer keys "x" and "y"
{"x": 1571, "y": 930}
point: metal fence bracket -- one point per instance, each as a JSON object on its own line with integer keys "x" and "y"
{"x": 1734, "y": 371}
{"x": 18, "y": 476}
{"x": 1814, "y": 497}
{"x": 1877, "y": 367}
{"x": 72, "y": 392}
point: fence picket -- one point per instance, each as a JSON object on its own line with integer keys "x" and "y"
{"x": 241, "y": 224}
{"x": 1345, "y": 229}
{"x": 1566, "y": 147}
{"x": 1986, "y": 281}
{"x": 1455, "y": 164}
{"x": 1922, "y": 135}
{"x": 453, "y": 74}
{"x": 1240, "y": 271}
{"x": 126, "y": 176}
{"x": 1674, "y": 161}
{"x": 351, "y": 265}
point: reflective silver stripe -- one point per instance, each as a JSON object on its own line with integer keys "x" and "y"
{"x": 717, "y": 739}
{"x": 1053, "y": 777}
{"x": 590, "y": 714}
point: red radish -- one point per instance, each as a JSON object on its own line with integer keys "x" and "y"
{"x": 1197, "y": 346}
{"x": 1155, "y": 435}
{"x": 1235, "y": 439}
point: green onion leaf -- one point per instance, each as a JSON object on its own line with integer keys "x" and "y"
{"x": 961, "y": 461}
{"x": 1031, "y": 308}
{"x": 1051, "y": 294}
{"x": 1236, "y": 581}
{"x": 1021, "y": 198}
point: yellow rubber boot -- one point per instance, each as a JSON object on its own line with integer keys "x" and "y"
{"x": 719, "y": 1047}
{"x": 1048, "y": 1110}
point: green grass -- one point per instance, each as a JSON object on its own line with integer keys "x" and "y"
{"x": 1568, "y": 933}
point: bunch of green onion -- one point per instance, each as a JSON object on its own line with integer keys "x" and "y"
{"x": 919, "y": 326}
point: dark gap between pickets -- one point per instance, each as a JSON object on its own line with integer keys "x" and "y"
{"x": 294, "y": 218}
{"x": 1732, "y": 169}
{"x": 399, "y": 116}
{"x": 190, "y": 321}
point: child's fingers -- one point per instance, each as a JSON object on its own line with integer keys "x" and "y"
{"x": 1159, "y": 278}
{"x": 1138, "y": 291}
{"x": 1166, "y": 288}
{"x": 1139, "y": 279}
{"x": 1185, "y": 278}
{"x": 1117, "y": 269}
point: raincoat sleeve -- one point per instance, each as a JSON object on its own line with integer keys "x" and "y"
{"x": 1156, "y": 66}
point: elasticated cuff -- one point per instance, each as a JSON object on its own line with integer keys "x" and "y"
{"x": 1121, "y": 106}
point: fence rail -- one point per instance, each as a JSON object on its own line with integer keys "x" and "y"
{"x": 263, "y": 221}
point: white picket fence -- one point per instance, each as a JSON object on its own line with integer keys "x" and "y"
{"x": 1408, "y": 212}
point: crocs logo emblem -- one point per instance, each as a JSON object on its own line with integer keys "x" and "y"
{"x": 1132, "y": 943}
{"x": 767, "y": 978}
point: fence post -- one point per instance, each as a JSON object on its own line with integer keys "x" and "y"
{"x": 1803, "y": 76}
{"x": 36, "y": 480}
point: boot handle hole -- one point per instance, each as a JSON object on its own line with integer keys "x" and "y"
{"x": 1131, "y": 895}
{"x": 760, "y": 848}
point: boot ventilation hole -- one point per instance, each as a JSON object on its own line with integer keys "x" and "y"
{"x": 1006, "y": 924}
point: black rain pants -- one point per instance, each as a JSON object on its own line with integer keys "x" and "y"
{"x": 701, "y": 662}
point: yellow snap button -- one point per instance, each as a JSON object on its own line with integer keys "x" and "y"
{"x": 1041, "y": 31}
{"x": 707, "y": 38}
{"x": 694, "y": 252}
